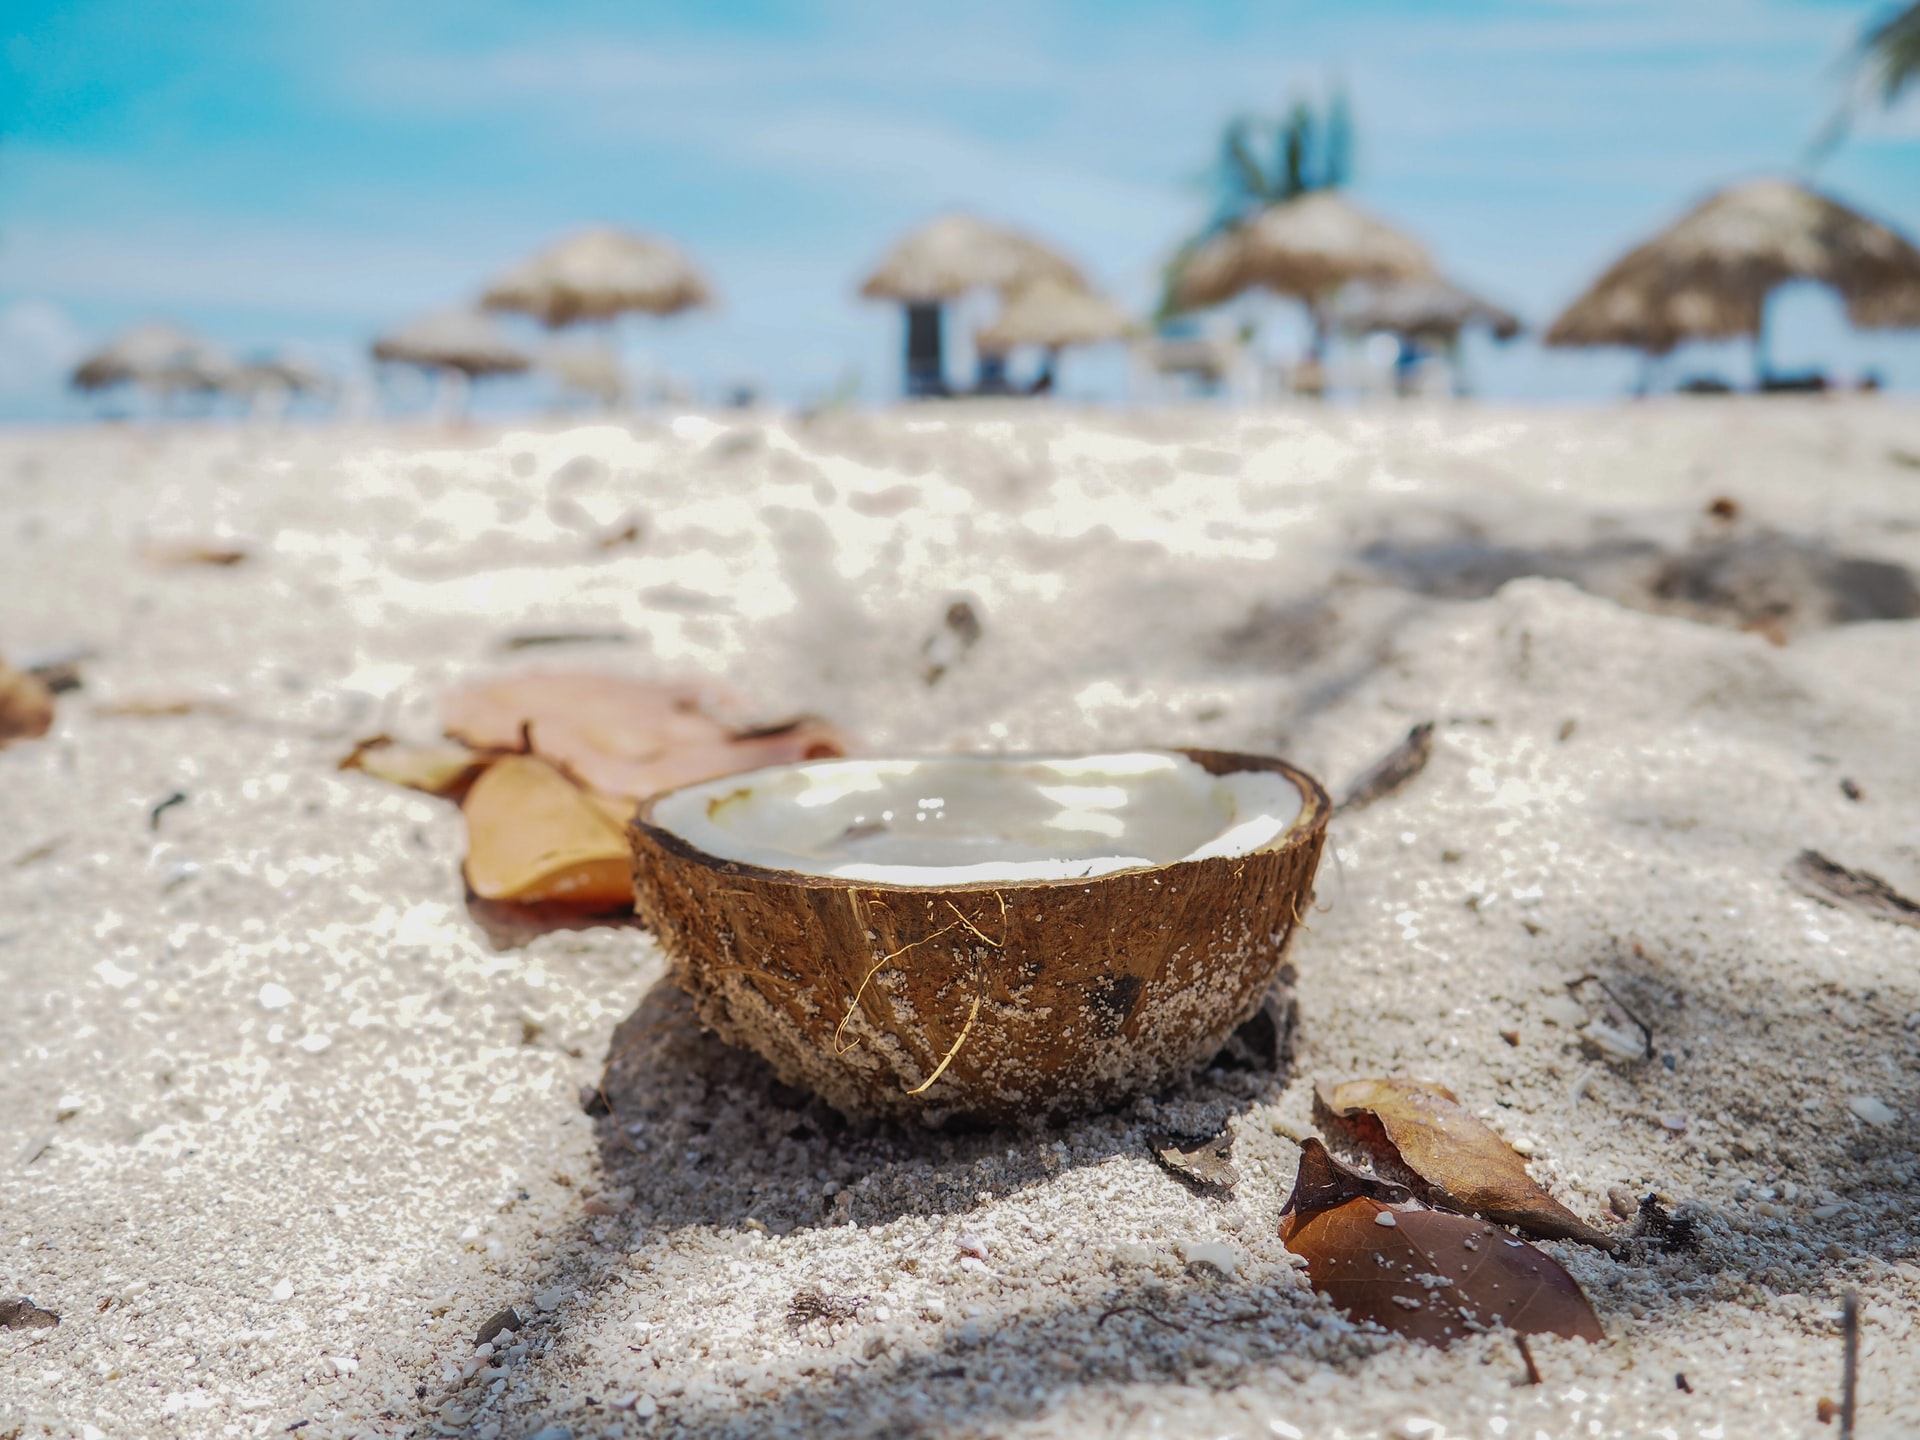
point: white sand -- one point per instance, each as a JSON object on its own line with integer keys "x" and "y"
{"x": 319, "y": 1123}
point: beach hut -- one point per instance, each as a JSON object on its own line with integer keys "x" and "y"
{"x": 458, "y": 347}
{"x": 1707, "y": 277}
{"x": 1426, "y": 317}
{"x": 1306, "y": 248}
{"x": 945, "y": 259}
{"x": 160, "y": 358}
{"x": 597, "y": 276}
{"x": 1432, "y": 309}
{"x": 1052, "y": 315}
{"x": 269, "y": 384}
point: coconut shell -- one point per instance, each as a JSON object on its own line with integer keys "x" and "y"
{"x": 982, "y": 1003}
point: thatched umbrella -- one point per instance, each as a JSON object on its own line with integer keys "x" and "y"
{"x": 945, "y": 259}
{"x": 1434, "y": 310}
{"x": 1053, "y": 315}
{"x": 1306, "y": 247}
{"x": 157, "y": 357}
{"x": 597, "y": 275}
{"x": 1708, "y": 276}
{"x": 459, "y": 346}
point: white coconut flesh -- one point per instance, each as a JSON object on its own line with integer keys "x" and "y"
{"x": 969, "y": 819}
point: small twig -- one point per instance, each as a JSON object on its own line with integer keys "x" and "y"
{"x": 178, "y": 797}
{"x": 1849, "y": 1375}
{"x": 1526, "y": 1354}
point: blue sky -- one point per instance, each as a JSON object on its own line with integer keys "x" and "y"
{"x": 296, "y": 173}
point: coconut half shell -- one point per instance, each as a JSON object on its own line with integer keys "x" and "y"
{"x": 1000, "y": 1002}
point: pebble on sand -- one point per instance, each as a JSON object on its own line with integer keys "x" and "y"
{"x": 1872, "y": 1109}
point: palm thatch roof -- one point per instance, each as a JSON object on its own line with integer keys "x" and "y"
{"x": 461, "y": 340}
{"x": 1305, "y": 247}
{"x": 598, "y": 274}
{"x": 953, "y": 254}
{"x": 1707, "y": 277}
{"x": 281, "y": 372}
{"x": 1432, "y": 308}
{"x": 160, "y": 357}
{"x": 1052, "y": 313}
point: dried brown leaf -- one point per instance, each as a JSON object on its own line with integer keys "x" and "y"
{"x": 444, "y": 770}
{"x": 1421, "y": 1135}
{"x": 1206, "y": 1163}
{"x": 1426, "y": 1274}
{"x": 1856, "y": 890}
{"x": 533, "y": 837}
{"x": 19, "y": 1313}
{"x": 26, "y": 705}
{"x": 621, "y": 736}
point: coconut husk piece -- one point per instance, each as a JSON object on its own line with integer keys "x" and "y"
{"x": 981, "y": 1003}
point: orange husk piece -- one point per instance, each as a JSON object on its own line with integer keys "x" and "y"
{"x": 26, "y": 705}
{"x": 1420, "y": 1273}
{"x": 621, "y": 736}
{"x": 533, "y": 837}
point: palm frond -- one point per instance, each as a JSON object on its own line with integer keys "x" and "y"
{"x": 1892, "y": 51}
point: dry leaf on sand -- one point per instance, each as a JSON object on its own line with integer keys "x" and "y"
{"x": 26, "y": 705}
{"x": 443, "y": 770}
{"x": 1420, "y": 1135}
{"x": 1423, "y": 1273}
{"x": 534, "y": 838}
{"x": 1860, "y": 891}
{"x": 622, "y": 736}
{"x": 1205, "y": 1163}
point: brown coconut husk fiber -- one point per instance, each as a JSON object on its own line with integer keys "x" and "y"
{"x": 982, "y": 1004}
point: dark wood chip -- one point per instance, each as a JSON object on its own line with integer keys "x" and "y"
{"x": 809, "y": 1306}
{"x": 1393, "y": 771}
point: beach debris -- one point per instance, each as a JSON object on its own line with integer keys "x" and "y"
{"x": 1392, "y": 772}
{"x": 1223, "y": 1258}
{"x": 179, "y": 554}
{"x": 20, "y": 1313}
{"x": 1672, "y": 1230}
{"x": 1617, "y": 1033}
{"x": 539, "y": 639}
{"x": 58, "y": 669}
{"x": 1850, "y": 1360}
{"x": 1852, "y": 791}
{"x": 1205, "y": 1163}
{"x": 497, "y": 1323}
{"x": 1724, "y": 507}
{"x": 1867, "y": 894}
{"x": 26, "y": 705}
{"x": 447, "y": 770}
{"x": 622, "y": 736}
{"x": 1424, "y": 1274}
{"x": 808, "y": 1306}
{"x": 1419, "y": 1135}
{"x": 534, "y": 837}
{"x": 1526, "y": 1356}
{"x": 160, "y": 807}
{"x": 960, "y": 630}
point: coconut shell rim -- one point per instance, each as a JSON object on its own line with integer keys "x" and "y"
{"x": 1316, "y": 808}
